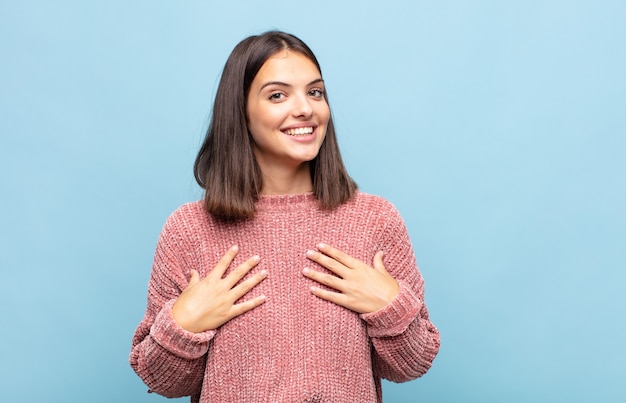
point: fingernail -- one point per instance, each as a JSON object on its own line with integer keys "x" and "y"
{"x": 321, "y": 245}
{"x": 310, "y": 253}
{"x": 306, "y": 270}
{"x": 256, "y": 258}
{"x": 234, "y": 248}
{"x": 264, "y": 273}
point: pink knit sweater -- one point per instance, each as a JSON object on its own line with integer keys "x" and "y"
{"x": 295, "y": 347}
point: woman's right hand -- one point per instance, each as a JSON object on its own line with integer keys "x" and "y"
{"x": 209, "y": 303}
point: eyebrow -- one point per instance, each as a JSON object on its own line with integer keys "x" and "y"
{"x": 280, "y": 83}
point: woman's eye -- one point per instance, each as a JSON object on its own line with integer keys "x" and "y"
{"x": 316, "y": 93}
{"x": 277, "y": 96}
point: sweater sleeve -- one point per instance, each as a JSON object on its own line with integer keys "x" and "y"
{"x": 404, "y": 339}
{"x": 169, "y": 359}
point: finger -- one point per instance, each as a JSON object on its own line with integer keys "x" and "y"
{"x": 224, "y": 262}
{"x": 331, "y": 296}
{"x": 241, "y": 270}
{"x": 328, "y": 262}
{"x": 245, "y": 286}
{"x": 246, "y": 306}
{"x": 338, "y": 255}
{"x": 194, "y": 279}
{"x": 324, "y": 278}
{"x": 378, "y": 261}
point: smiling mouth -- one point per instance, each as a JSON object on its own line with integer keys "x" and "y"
{"x": 300, "y": 131}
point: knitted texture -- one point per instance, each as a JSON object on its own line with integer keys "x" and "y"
{"x": 295, "y": 347}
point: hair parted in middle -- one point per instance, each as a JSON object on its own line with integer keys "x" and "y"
{"x": 226, "y": 167}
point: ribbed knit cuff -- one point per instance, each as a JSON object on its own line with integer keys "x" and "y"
{"x": 394, "y": 319}
{"x": 171, "y": 336}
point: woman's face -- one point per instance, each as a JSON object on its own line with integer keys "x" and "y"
{"x": 287, "y": 111}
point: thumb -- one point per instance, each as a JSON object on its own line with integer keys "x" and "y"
{"x": 378, "y": 261}
{"x": 194, "y": 279}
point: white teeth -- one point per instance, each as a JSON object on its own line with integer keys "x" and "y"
{"x": 300, "y": 131}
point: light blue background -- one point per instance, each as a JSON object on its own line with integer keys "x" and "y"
{"x": 497, "y": 128}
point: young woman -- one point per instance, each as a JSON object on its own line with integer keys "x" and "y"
{"x": 286, "y": 283}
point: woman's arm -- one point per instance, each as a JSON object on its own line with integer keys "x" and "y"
{"x": 389, "y": 295}
{"x": 169, "y": 359}
{"x": 405, "y": 340}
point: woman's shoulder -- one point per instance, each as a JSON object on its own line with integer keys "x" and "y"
{"x": 375, "y": 207}
{"x": 188, "y": 214}
{"x": 189, "y": 209}
{"x": 373, "y": 202}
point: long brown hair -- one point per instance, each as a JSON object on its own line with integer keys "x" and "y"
{"x": 226, "y": 167}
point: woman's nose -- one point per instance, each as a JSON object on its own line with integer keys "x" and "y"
{"x": 302, "y": 106}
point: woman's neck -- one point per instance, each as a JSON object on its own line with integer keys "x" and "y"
{"x": 281, "y": 181}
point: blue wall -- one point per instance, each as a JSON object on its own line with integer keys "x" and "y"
{"x": 497, "y": 128}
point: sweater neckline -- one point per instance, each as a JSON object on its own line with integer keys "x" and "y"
{"x": 273, "y": 202}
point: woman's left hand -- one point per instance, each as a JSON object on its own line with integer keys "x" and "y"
{"x": 360, "y": 287}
